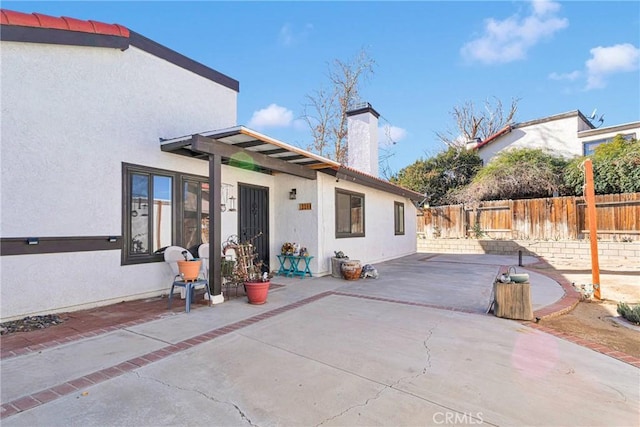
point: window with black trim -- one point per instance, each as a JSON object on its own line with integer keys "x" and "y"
{"x": 349, "y": 214}
{"x": 162, "y": 208}
{"x": 398, "y": 218}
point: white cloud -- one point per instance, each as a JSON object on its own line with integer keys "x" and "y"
{"x": 272, "y": 116}
{"x": 605, "y": 61}
{"x": 288, "y": 36}
{"x": 388, "y": 134}
{"x": 509, "y": 39}
{"x": 565, "y": 76}
{"x": 542, "y": 7}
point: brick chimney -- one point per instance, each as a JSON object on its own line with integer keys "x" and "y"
{"x": 362, "y": 138}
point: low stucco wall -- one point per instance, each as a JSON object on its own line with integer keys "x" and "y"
{"x": 607, "y": 251}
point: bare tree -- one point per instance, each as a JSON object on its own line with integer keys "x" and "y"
{"x": 471, "y": 124}
{"x": 385, "y": 170}
{"x": 325, "y": 109}
{"x": 385, "y": 151}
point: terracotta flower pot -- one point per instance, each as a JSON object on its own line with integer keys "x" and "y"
{"x": 351, "y": 270}
{"x": 257, "y": 291}
{"x": 190, "y": 270}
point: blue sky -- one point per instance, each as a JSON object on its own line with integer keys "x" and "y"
{"x": 430, "y": 57}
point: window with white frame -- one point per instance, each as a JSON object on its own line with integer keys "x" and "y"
{"x": 588, "y": 147}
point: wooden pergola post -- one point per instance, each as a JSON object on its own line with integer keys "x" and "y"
{"x": 215, "y": 224}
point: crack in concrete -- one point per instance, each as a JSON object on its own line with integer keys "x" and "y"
{"x": 425, "y": 369}
{"x": 620, "y": 393}
{"x": 366, "y": 402}
{"x": 147, "y": 336}
{"x": 427, "y": 365}
{"x": 393, "y": 385}
{"x": 243, "y": 416}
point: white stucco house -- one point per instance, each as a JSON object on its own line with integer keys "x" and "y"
{"x": 105, "y": 162}
{"x": 569, "y": 134}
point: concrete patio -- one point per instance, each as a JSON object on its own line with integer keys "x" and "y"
{"x": 413, "y": 347}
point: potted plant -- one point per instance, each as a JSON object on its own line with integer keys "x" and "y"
{"x": 189, "y": 268}
{"x": 288, "y": 248}
{"x": 249, "y": 270}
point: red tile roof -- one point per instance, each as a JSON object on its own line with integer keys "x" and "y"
{"x": 9, "y": 17}
{"x": 495, "y": 136}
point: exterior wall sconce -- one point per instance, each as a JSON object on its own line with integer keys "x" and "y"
{"x": 228, "y": 203}
{"x": 33, "y": 241}
{"x": 292, "y": 194}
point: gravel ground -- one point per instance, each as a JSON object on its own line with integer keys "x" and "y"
{"x": 30, "y": 323}
{"x": 598, "y": 320}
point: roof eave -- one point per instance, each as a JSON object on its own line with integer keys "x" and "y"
{"x": 357, "y": 177}
{"x": 220, "y": 141}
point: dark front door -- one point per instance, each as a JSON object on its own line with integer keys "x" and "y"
{"x": 253, "y": 212}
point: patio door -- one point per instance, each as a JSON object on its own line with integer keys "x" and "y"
{"x": 253, "y": 218}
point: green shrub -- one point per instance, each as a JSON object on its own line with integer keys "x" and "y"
{"x": 632, "y": 314}
{"x": 477, "y": 231}
{"x": 616, "y": 168}
{"x": 518, "y": 173}
{"x": 438, "y": 176}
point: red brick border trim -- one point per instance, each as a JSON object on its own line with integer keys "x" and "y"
{"x": 6, "y": 354}
{"x": 27, "y": 402}
{"x": 623, "y": 357}
{"x": 41, "y": 397}
{"x": 564, "y": 305}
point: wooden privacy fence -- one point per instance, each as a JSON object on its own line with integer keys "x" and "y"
{"x": 557, "y": 218}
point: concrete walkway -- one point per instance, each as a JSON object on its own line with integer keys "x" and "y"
{"x": 413, "y": 347}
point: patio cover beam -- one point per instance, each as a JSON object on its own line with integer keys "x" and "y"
{"x": 210, "y": 146}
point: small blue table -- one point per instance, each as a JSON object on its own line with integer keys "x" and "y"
{"x": 290, "y": 266}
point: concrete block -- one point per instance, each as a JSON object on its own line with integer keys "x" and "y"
{"x": 629, "y": 253}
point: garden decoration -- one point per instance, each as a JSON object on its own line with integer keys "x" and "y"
{"x": 336, "y": 263}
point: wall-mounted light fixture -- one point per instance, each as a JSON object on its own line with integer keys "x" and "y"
{"x": 292, "y": 194}
{"x": 228, "y": 203}
{"x": 33, "y": 241}
{"x": 112, "y": 239}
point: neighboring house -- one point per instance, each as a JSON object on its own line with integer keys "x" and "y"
{"x": 591, "y": 138}
{"x": 95, "y": 182}
{"x": 569, "y": 135}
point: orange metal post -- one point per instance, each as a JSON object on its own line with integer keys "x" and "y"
{"x": 590, "y": 198}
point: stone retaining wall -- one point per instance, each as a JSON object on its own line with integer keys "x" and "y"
{"x": 607, "y": 251}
